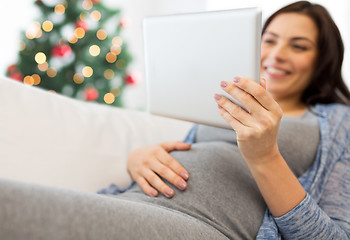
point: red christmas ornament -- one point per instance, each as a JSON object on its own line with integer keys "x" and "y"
{"x": 13, "y": 73}
{"x": 17, "y": 76}
{"x": 12, "y": 69}
{"x": 61, "y": 50}
{"x": 131, "y": 79}
{"x": 81, "y": 24}
{"x": 91, "y": 94}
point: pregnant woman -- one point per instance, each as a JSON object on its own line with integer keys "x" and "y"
{"x": 283, "y": 171}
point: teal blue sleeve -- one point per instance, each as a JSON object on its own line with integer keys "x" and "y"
{"x": 309, "y": 221}
{"x": 190, "y": 138}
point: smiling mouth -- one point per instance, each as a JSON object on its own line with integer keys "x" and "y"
{"x": 274, "y": 72}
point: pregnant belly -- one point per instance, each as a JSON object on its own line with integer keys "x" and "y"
{"x": 220, "y": 192}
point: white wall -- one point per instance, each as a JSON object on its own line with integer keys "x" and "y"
{"x": 339, "y": 10}
{"x": 15, "y": 16}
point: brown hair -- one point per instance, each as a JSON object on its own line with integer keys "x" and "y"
{"x": 327, "y": 84}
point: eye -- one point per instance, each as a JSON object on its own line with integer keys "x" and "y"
{"x": 269, "y": 41}
{"x": 299, "y": 47}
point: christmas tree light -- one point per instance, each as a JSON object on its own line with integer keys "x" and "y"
{"x": 40, "y": 57}
{"x": 47, "y": 26}
{"x": 101, "y": 34}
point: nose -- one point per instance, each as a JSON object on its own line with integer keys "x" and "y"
{"x": 279, "y": 53}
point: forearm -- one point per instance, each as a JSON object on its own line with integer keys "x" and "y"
{"x": 309, "y": 221}
{"x": 278, "y": 185}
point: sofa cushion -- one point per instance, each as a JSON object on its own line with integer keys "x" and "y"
{"x": 52, "y": 139}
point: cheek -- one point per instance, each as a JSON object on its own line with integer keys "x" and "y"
{"x": 305, "y": 65}
{"x": 264, "y": 54}
{"x": 305, "y": 68}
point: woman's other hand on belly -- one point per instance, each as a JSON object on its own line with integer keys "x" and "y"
{"x": 147, "y": 165}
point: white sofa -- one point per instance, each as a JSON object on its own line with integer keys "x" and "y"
{"x": 50, "y": 139}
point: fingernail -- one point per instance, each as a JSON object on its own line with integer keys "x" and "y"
{"x": 169, "y": 192}
{"x": 223, "y": 84}
{"x": 184, "y": 175}
{"x": 236, "y": 79}
{"x": 182, "y": 185}
{"x": 217, "y": 96}
{"x": 154, "y": 193}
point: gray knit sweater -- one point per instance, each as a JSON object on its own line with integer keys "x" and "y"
{"x": 325, "y": 212}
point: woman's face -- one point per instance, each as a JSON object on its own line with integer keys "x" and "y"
{"x": 288, "y": 54}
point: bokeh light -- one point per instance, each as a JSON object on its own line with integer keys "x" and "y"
{"x": 116, "y": 49}
{"x": 22, "y": 45}
{"x": 82, "y": 17}
{"x": 87, "y": 71}
{"x": 117, "y": 40}
{"x": 111, "y": 57}
{"x": 94, "y": 50}
{"x": 47, "y": 26}
{"x": 79, "y": 32}
{"x": 60, "y": 9}
{"x": 51, "y": 72}
{"x": 73, "y": 40}
{"x": 109, "y": 74}
{"x": 39, "y": 34}
{"x": 115, "y": 91}
{"x": 78, "y": 78}
{"x": 40, "y": 57}
{"x": 95, "y": 15}
{"x": 101, "y": 34}
{"x": 36, "y": 79}
{"x": 34, "y": 31}
{"x": 120, "y": 64}
{"x": 87, "y": 4}
{"x": 109, "y": 98}
{"x": 29, "y": 36}
{"x": 29, "y": 80}
{"x": 43, "y": 66}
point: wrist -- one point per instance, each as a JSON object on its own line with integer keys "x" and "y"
{"x": 265, "y": 159}
{"x": 267, "y": 164}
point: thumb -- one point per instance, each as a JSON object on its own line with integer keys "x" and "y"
{"x": 171, "y": 146}
{"x": 263, "y": 83}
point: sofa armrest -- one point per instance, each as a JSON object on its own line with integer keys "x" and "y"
{"x": 51, "y": 139}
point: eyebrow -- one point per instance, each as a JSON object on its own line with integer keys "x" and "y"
{"x": 294, "y": 38}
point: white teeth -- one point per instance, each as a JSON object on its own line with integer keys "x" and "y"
{"x": 275, "y": 71}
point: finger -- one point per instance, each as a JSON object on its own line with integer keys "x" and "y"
{"x": 171, "y": 146}
{"x": 166, "y": 159}
{"x": 171, "y": 162}
{"x": 158, "y": 184}
{"x": 235, "y": 124}
{"x": 146, "y": 188}
{"x": 166, "y": 173}
{"x": 234, "y": 110}
{"x": 263, "y": 83}
{"x": 247, "y": 100}
{"x": 257, "y": 91}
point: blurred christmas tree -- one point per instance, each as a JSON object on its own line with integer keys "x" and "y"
{"x": 75, "y": 48}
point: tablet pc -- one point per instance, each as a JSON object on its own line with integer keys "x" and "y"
{"x": 188, "y": 55}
